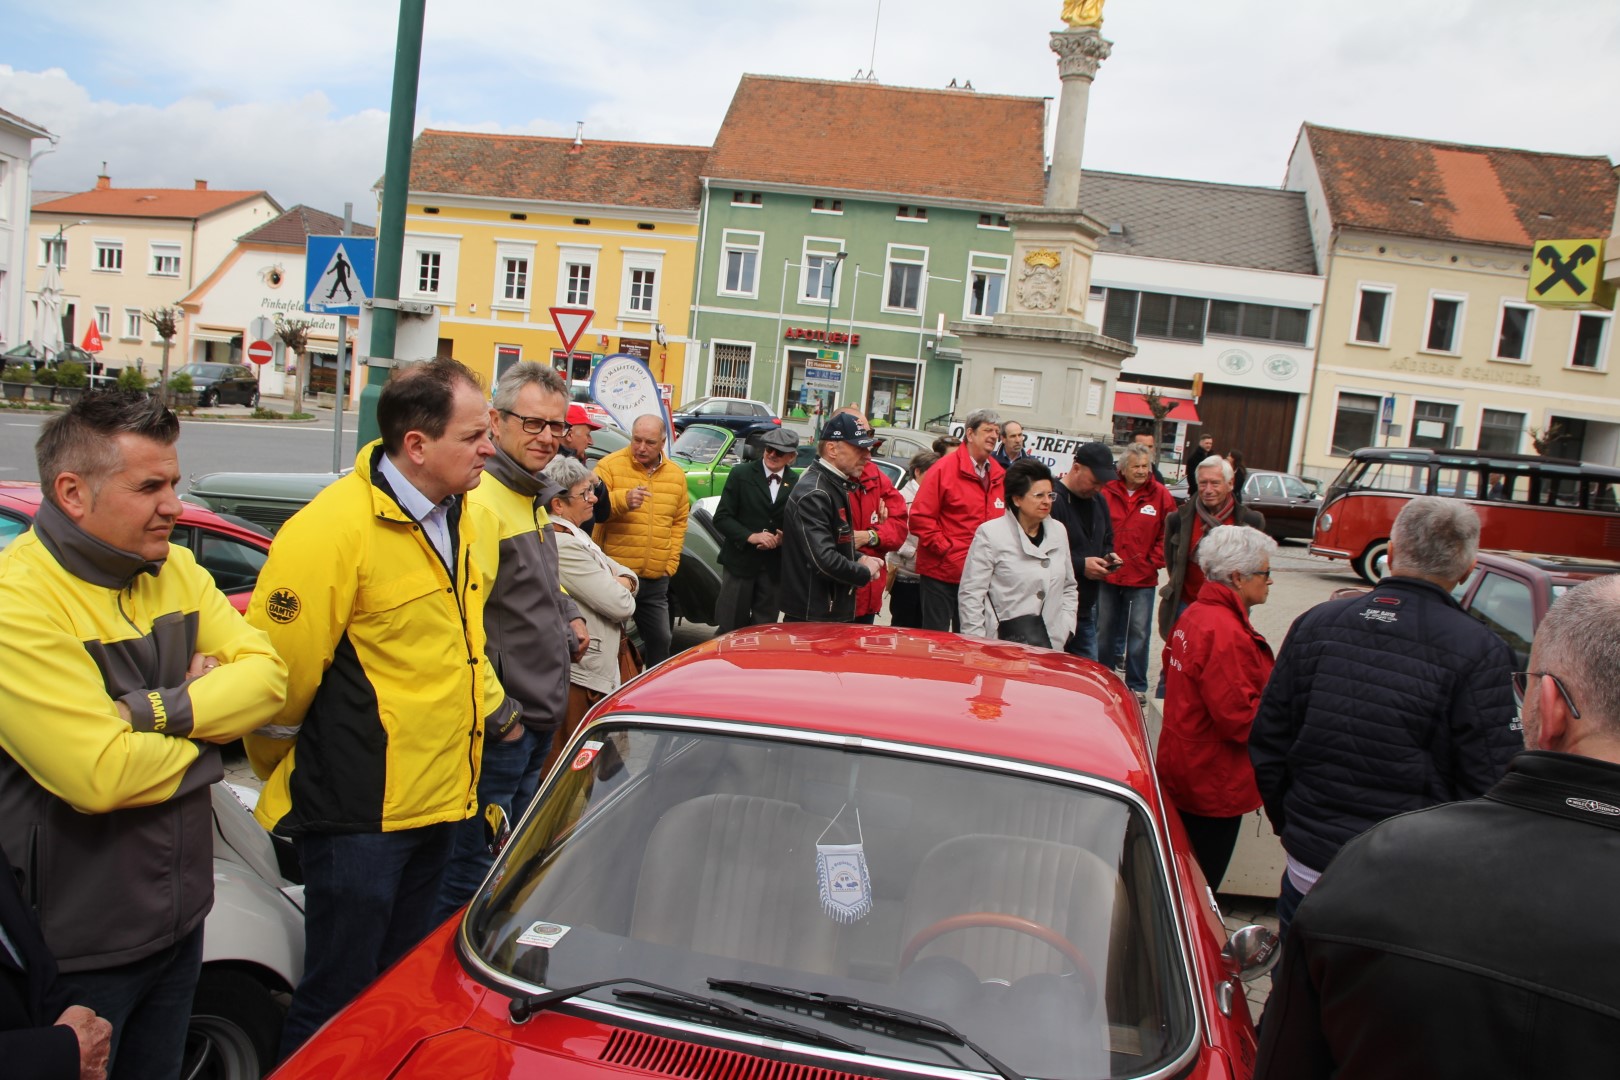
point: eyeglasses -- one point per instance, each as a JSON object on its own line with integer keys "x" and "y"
{"x": 534, "y": 425}
{"x": 1521, "y": 683}
{"x": 589, "y": 495}
{"x": 1044, "y": 496}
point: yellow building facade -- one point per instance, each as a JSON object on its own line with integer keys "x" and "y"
{"x": 501, "y": 229}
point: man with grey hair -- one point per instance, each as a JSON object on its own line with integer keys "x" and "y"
{"x": 1385, "y": 702}
{"x": 961, "y": 492}
{"x": 1428, "y": 924}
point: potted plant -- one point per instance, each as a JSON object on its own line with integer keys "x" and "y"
{"x": 16, "y": 379}
{"x": 131, "y": 379}
{"x": 182, "y": 392}
{"x": 71, "y": 379}
{"x": 44, "y": 384}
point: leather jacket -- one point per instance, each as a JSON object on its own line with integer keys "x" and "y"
{"x": 820, "y": 570}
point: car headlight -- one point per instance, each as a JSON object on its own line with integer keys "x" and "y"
{"x": 1324, "y": 522}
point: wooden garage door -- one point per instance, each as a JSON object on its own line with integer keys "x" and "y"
{"x": 1258, "y": 422}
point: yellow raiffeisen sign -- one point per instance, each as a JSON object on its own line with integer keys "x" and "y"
{"x": 1569, "y": 273}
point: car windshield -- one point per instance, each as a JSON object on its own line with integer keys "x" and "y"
{"x": 1030, "y": 914}
{"x": 203, "y": 371}
{"x": 701, "y": 444}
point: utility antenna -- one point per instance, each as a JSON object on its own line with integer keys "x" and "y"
{"x": 871, "y": 64}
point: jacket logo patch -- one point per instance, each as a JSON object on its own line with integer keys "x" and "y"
{"x": 160, "y": 715}
{"x": 282, "y": 606}
{"x": 1150, "y": 510}
{"x": 1379, "y": 616}
{"x": 1594, "y": 806}
{"x": 1391, "y": 601}
{"x": 1000, "y": 505}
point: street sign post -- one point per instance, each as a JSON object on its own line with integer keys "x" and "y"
{"x": 339, "y": 273}
{"x": 261, "y": 352}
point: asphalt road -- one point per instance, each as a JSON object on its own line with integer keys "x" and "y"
{"x": 206, "y": 445}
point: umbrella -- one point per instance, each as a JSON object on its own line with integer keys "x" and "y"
{"x": 48, "y": 324}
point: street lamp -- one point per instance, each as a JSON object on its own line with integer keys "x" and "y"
{"x": 61, "y": 245}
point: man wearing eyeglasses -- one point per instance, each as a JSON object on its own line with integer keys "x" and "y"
{"x": 750, "y": 518}
{"x": 1469, "y": 939}
{"x": 1385, "y": 702}
{"x": 533, "y": 629}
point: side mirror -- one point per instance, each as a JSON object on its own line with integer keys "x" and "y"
{"x": 1250, "y": 952}
{"x": 497, "y": 828}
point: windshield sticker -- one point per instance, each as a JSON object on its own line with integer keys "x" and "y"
{"x": 586, "y": 755}
{"x": 842, "y": 876}
{"x": 542, "y": 935}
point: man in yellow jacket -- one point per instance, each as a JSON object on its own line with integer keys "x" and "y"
{"x": 125, "y": 668}
{"x": 648, "y": 526}
{"x": 374, "y": 593}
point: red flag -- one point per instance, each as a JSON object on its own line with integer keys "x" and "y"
{"x": 92, "y": 339}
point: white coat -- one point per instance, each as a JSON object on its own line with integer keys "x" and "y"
{"x": 1007, "y": 575}
{"x": 590, "y": 577}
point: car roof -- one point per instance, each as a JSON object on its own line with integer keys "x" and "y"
{"x": 911, "y": 686}
{"x": 26, "y": 495}
{"x": 1563, "y": 569}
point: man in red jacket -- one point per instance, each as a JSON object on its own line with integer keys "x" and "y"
{"x": 878, "y": 514}
{"x": 957, "y": 495}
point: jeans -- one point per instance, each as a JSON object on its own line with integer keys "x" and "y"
{"x": 1288, "y": 901}
{"x": 652, "y": 619}
{"x": 1125, "y": 624}
{"x": 509, "y": 769}
{"x": 939, "y": 604}
{"x": 905, "y": 603}
{"x": 148, "y": 1004}
{"x": 1084, "y": 641}
{"x": 1213, "y": 840}
{"x": 368, "y": 900}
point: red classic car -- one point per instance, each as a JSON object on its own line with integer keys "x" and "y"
{"x": 823, "y": 852}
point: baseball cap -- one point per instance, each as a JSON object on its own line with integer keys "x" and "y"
{"x": 1098, "y": 458}
{"x": 578, "y": 414}
{"x": 845, "y": 428}
{"x": 780, "y": 439}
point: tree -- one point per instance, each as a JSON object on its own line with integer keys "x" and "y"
{"x": 294, "y": 336}
{"x": 166, "y": 321}
{"x": 1160, "y": 407}
{"x": 1547, "y": 439}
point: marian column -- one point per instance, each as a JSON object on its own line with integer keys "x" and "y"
{"x": 1080, "y": 48}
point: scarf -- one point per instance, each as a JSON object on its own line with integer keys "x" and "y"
{"x": 1220, "y": 517}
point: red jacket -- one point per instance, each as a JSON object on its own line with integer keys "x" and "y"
{"x": 1216, "y": 666}
{"x": 1138, "y": 518}
{"x": 951, "y": 503}
{"x": 875, "y": 490}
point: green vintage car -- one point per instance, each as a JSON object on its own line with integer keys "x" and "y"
{"x": 707, "y": 453}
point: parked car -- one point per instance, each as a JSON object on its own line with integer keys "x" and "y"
{"x": 26, "y": 353}
{"x": 836, "y": 851}
{"x": 739, "y": 414}
{"x": 1288, "y": 502}
{"x": 233, "y": 551}
{"x": 707, "y": 455}
{"x": 222, "y": 384}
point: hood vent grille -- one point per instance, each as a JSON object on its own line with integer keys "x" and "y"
{"x": 691, "y": 1061}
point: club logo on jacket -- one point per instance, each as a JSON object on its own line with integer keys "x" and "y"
{"x": 1594, "y": 806}
{"x": 1150, "y": 510}
{"x": 1372, "y": 615}
{"x": 1000, "y": 505}
{"x": 282, "y": 605}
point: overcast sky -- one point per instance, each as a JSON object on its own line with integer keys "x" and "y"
{"x": 293, "y": 96}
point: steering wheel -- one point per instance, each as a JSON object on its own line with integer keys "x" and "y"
{"x": 996, "y": 920}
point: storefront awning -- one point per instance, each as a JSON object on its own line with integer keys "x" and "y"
{"x": 1129, "y": 404}
{"x": 215, "y": 333}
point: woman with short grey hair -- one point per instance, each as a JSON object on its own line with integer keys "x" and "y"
{"x": 1216, "y": 667}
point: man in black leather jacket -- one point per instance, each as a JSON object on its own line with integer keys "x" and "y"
{"x": 1391, "y": 701}
{"x": 1468, "y": 940}
{"x": 820, "y": 571}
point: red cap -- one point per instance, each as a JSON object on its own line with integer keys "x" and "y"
{"x": 578, "y": 414}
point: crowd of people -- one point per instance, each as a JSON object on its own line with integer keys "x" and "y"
{"x": 429, "y": 631}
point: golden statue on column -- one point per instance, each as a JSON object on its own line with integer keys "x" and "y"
{"x": 1083, "y": 13}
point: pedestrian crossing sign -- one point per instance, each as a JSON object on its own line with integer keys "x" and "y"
{"x": 339, "y": 273}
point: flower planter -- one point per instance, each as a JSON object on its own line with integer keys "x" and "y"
{"x": 67, "y": 395}
{"x": 40, "y": 393}
{"x": 15, "y": 391}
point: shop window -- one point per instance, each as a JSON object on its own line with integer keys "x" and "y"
{"x": 1263, "y": 322}
{"x": 1355, "y": 423}
{"x": 1513, "y": 332}
{"x": 891, "y": 400}
{"x": 1372, "y": 315}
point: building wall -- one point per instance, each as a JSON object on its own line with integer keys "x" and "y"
{"x": 15, "y": 153}
{"x": 479, "y": 324}
{"x": 1542, "y": 388}
{"x": 216, "y": 235}
{"x": 902, "y": 370}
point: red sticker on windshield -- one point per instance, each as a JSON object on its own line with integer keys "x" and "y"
{"x": 586, "y": 755}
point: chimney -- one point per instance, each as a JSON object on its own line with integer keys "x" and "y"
{"x": 103, "y": 181}
{"x": 579, "y": 137}
{"x": 199, "y": 185}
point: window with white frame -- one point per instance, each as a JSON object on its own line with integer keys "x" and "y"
{"x": 993, "y": 221}
{"x": 104, "y": 320}
{"x": 514, "y": 275}
{"x": 1499, "y": 431}
{"x": 1513, "y": 332}
{"x": 1355, "y": 422}
{"x": 429, "y": 271}
{"x": 1373, "y": 306}
{"x": 639, "y": 288}
{"x": 1591, "y": 341}
{"x": 827, "y": 206}
{"x": 165, "y": 260}
{"x": 110, "y": 256}
{"x": 739, "y": 263}
{"x": 429, "y": 268}
{"x": 515, "y": 279}
{"x": 53, "y": 251}
{"x": 132, "y": 324}
{"x": 1444, "y": 328}
{"x": 747, "y": 198}
{"x": 904, "y": 277}
{"x": 1432, "y": 424}
{"x": 5, "y": 190}
{"x": 911, "y": 213}
{"x": 576, "y": 274}
{"x": 987, "y": 284}
{"x": 819, "y": 273}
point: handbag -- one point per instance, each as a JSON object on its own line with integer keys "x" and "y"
{"x": 631, "y": 663}
{"x": 1023, "y": 629}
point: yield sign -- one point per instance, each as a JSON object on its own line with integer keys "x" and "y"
{"x": 92, "y": 339}
{"x": 571, "y": 323}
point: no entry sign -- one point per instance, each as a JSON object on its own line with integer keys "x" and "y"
{"x": 260, "y": 352}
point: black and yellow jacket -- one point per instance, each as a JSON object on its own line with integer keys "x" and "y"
{"x": 389, "y": 690}
{"x": 109, "y": 821}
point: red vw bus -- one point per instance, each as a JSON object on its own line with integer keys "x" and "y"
{"x": 1546, "y": 505}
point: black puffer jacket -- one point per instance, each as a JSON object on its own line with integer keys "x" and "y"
{"x": 1382, "y": 703}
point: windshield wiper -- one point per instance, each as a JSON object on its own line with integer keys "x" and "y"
{"x": 855, "y": 1007}
{"x": 525, "y": 1006}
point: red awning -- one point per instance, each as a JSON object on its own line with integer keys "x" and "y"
{"x": 1129, "y": 404}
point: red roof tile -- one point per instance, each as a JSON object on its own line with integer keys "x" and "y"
{"x": 296, "y": 226}
{"x": 859, "y": 136}
{"x": 597, "y": 173}
{"x": 182, "y": 203}
{"x": 1446, "y": 191}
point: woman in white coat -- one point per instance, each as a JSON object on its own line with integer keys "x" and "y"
{"x": 1019, "y": 564}
{"x": 605, "y": 590}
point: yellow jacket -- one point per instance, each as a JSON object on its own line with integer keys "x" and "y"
{"x": 390, "y": 691}
{"x": 648, "y": 539}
